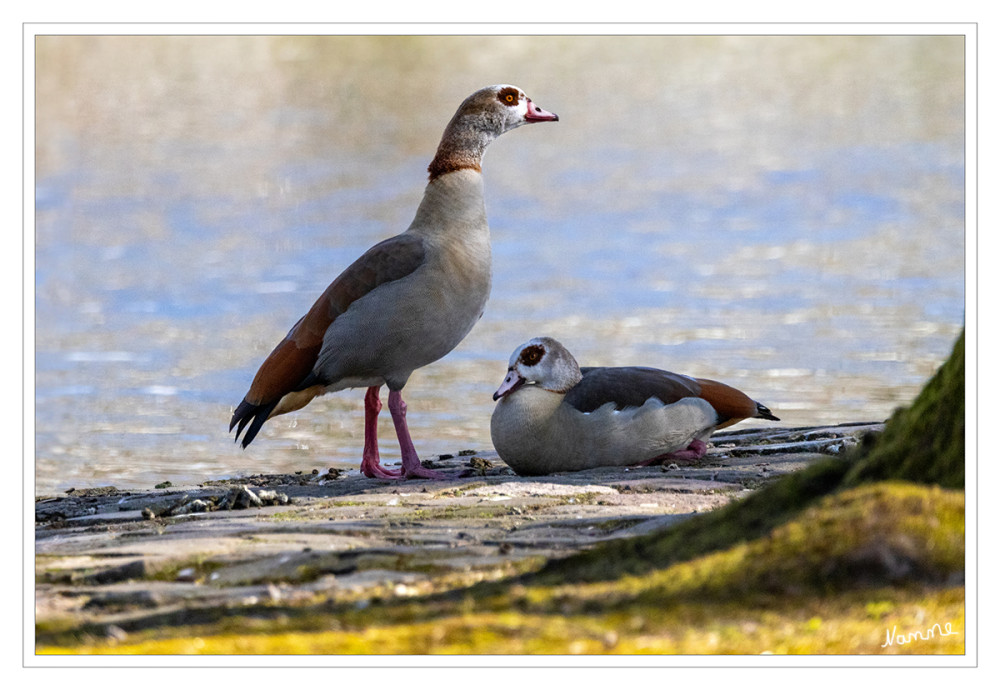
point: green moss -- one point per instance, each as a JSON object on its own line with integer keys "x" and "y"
{"x": 470, "y": 512}
{"x": 286, "y": 516}
{"x": 749, "y": 518}
{"x": 462, "y": 490}
{"x": 926, "y": 441}
{"x": 616, "y": 524}
{"x": 790, "y": 625}
{"x": 832, "y": 580}
{"x": 890, "y": 534}
{"x": 872, "y": 536}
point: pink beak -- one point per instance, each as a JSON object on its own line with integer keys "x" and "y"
{"x": 536, "y": 114}
{"x": 509, "y": 385}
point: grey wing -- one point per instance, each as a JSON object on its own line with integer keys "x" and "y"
{"x": 291, "y": 365}
{"x": 626, "y": 387}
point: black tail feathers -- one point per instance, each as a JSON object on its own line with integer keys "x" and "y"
{"x": 254, "y": 415}
{"x": 764, "y": 413}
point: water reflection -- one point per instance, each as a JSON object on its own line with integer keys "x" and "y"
{"x": 782, "y": 213}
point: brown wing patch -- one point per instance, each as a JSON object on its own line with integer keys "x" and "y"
{"x": 731, "y": 404}
{"x": 287, "y": 365}
{"x": 292, "y": 361}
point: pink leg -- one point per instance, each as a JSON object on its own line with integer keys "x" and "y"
{"x": 695, "y": 450}
{"x": 411, "y": 463}
{"x": 370, "y": 466}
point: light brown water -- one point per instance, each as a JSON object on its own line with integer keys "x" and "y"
{"x": 782, "y": 213}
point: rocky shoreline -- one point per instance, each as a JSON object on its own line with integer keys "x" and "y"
{"x": 112, "y": 563}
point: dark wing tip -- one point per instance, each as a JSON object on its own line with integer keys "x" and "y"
{"x": 254, "y": 415}
{"x": 764, "y": 413}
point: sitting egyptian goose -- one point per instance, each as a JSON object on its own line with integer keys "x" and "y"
{"x": 553, "y": 416}
{"x": 407, "y": 302}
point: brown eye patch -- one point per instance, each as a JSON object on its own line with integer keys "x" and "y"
{"x": 532, "y": 355}
{"x": 509, "y": 96}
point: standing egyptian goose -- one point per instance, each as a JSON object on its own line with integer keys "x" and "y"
{"x": 407, "y": 302}
{"x": 553, "y": 416}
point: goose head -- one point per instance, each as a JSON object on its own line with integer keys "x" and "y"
{"x": 542, "y": 362}
{"x": 480, "y": 119}
{"x": 498, "y": 109}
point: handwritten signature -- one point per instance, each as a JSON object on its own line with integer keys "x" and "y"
{"x": 935, "y": 630}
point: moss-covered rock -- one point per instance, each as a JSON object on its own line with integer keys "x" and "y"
{"x": 872, "y": 536}
{"x": 926, "y": 441}
{"x": 750, "y": 518}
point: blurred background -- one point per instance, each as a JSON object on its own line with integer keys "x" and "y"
{"x": 785, "y": 214}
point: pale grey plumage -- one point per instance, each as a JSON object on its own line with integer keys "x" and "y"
{"x": 408, "y": 301}
{"x": 551, "y": 416}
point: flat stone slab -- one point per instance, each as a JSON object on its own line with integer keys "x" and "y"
{"x": 120, "y": 561}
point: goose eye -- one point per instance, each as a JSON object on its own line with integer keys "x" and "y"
{"x": 532, "y": 355}
{"x": 509, "y": 96}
